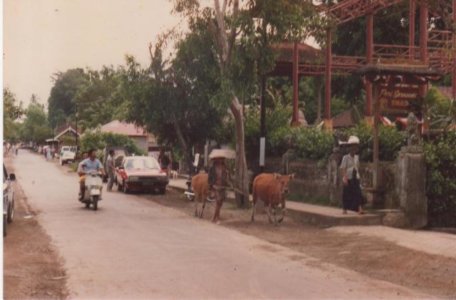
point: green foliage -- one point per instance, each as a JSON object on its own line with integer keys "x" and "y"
{"x": 390, "y": 141}
{"x": 61, "y": 102}
{"x": 440, "y": 110}
{"x": 311, "y": 143}
{"x": 11, "y": 112}
{"x": 98, "y": 100}
{"x": 99, "y": 140}
{"x": 35, "y": 127}
{"x": 277, "y": 129}
{"x": 441, "y": 180}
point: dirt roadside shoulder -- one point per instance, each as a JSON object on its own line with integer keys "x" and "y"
{"x": 371, "y": 256}
{"x": 32, "y": 267}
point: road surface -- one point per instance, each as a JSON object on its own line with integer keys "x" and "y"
{"x": 133, "y": 248}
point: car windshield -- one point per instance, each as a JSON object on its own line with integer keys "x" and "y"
{"x": 141, "y": 163}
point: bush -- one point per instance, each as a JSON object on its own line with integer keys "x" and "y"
{"x": 441, "y": 180}
{"x": 311, "y": 143}
{"x": 277, "y": 130}
{"x": 390, "y": 139}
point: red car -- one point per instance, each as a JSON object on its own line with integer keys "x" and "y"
{"x": 141, "y": 174}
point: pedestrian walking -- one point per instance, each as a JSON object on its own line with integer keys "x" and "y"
{"x": 352, "y": 198}
{"x": 110, "y": 169}
{"x": 218, "y": 178}
{"x": 164, "y": 161}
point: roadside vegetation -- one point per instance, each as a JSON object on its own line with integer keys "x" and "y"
{"x": 211, "y": 87}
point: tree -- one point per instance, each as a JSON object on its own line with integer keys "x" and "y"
{"x": 62, "y": 102}
{"x": 11, "y": 112}
{"x": 35, "y": 128}
{"x": 172, "y": 99}
{"x": 247, "y": 32}
{"x": 97, "y": 99}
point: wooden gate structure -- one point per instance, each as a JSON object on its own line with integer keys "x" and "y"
{"x": 436, "y": 50}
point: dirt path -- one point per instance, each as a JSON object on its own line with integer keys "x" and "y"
{"x": 373, "y": 257}
{"x": 32, "y": 268}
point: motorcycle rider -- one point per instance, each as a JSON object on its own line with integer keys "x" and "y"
{"x": 90, "y": 164}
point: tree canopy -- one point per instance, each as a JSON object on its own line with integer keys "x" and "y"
{"x": 61, "y": 102}
{"x": 12, "y": 111}
{"x": 36, "y": 126}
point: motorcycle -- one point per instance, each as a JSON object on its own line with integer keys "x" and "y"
{"x": 93, "y": 187}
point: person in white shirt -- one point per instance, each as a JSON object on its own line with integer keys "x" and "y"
{"x": 352, "y": 198}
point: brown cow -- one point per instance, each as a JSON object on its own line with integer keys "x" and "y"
{"x": 272, "y": 190}
{"x": 200, "y": 187}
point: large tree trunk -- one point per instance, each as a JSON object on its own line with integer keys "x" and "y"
{"x": 226, "y": 42}
{"x": 183, "y": 143}
{"x": 242, "y": 181}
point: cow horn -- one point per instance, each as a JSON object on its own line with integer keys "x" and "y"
{"x": 292, "y": 175}
{"x": 276, "y": 175}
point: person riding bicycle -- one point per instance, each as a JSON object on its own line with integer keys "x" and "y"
{"x": 88, "y": 165}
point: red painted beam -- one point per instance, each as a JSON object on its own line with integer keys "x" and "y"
{"x": 328, "y": 74}
{"x": 412, "y": 22}
{"x": 295, "y": 119}
{"x": 453, "y": 77}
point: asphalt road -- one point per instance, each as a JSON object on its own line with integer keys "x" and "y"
{"x": 133, "y": 248}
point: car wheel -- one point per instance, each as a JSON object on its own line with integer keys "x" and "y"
{"x": 10, "y": 217}
{"x": 162, "y": 190}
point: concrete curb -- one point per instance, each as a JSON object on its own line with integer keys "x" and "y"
{"x": 313, "y": 214}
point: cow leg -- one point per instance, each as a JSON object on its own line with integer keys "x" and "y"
{"x": 284, "y": 210}
{"x": 269, "y": 211}
{"x": 275, "y": 214}
{"x": 252, "y": 219}
{"x": 196, "y": 205}
{"x": 202, "y": 208}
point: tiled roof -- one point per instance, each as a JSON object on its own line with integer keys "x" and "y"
{"x": 128, "y": 129}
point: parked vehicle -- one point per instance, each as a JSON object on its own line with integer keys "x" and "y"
{"x": 67, "y": 154}
{"x": 93, "y": 187}
{"x": 8, "y": 199}
{"x": 119, "y": 154}
{"x": 141, "y": 173}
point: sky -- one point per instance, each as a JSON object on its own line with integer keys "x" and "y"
{"x": 42, "y": 37}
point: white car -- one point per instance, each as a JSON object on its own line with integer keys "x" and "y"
{"x": 67, "y": 154}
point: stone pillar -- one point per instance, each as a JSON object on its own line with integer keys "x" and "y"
{"x": 411, "y": 186}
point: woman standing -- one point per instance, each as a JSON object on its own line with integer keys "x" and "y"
{"x": 352, "y": 198}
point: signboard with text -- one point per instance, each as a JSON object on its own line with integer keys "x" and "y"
{"x": 398, "y": 98}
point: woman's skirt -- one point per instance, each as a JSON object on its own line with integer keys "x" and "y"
{"x": 352, "y": 197}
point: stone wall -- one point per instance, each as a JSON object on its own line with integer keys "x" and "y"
{"x": 322, "y": 180}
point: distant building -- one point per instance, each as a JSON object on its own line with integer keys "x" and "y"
{"x": 139, "y": 135}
